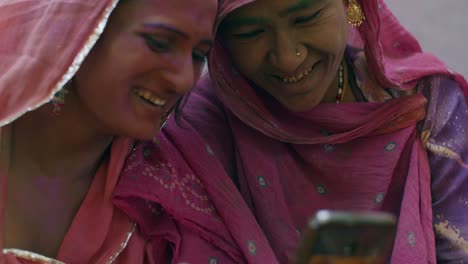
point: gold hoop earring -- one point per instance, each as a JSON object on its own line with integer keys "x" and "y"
{"x": 355, "y": 14}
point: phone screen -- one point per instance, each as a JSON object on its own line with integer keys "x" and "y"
{"x": 348, "y": 238}
{"x": 352, "y": 240}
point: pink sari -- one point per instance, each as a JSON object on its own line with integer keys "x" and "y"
{"x": 237, "y": 179}
{"x": 99, "y": 232}
{"x": 43, "y": 43}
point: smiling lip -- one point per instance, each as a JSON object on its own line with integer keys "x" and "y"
{"x": 297, "y": 77}
{"x": 301, "y": 86}
{"x": 149, "y": 97}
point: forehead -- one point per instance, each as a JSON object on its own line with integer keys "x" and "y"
{"x": 194, "y": 14}
{"x": 267, "y": 8}
{"x": 191, "y": 8}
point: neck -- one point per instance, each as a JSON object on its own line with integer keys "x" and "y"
{"x": 58, "y": 146}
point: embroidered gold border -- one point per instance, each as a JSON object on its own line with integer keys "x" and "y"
{"x": 23, "y": 254}
{"x": 445, "y": 152}
{"x": 27, "y": 255}
{"x": 123, "y": 245}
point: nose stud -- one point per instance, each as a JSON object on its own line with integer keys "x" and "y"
{"x": 298, "y": 53}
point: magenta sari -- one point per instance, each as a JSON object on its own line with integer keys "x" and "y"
{"x": 236, "y": 181}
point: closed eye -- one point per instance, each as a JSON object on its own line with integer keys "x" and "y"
{"x": 306, "y": 19}
{"x": 156, "y": 44}
{"x": 250, "y": 34}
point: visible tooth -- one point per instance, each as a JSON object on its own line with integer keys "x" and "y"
{"x": 158, "y": 102}
{"x": 298, "y": 77}
{"x": 155, "y": 100}
{"x": 150, "y": 97}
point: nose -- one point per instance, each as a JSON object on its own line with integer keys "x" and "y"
{"x": 182, "y": 75}
{"x": 286, "y": 55}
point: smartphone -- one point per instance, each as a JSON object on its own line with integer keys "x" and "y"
{"x": 334, "y": 237}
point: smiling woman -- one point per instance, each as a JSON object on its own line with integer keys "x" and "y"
{"x": 309, "y": 105}
{"x": 82, "y": 81}
{"x": 271, "y": 44}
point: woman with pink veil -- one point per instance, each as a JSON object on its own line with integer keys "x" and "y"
{"x": 311, "y": 105}
{"x": 81, "y": 83}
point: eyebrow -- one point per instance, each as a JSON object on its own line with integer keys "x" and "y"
{"x": 182, "y": 34}
{"x": 168, "y": 28}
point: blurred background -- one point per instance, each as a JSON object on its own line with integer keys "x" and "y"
{"x": 441, "y": 26}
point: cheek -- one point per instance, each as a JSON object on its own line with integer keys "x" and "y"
{"x": 111, "y": 72}
{"x": 99, "y": 80}
{"x": 120, "y": 58}
{"x": 330, "y": 36}
{"x": 247, "y": 58}
{"x": 341, "y": 31}
{"x": 103, "y": 83}
{"x": 99, "y": 92}
{"x": 329, "y": 40}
